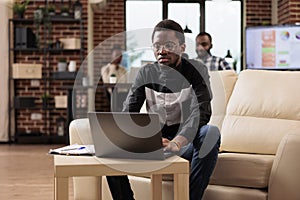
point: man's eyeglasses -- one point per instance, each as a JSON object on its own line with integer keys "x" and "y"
{"x": 169, "y": 46}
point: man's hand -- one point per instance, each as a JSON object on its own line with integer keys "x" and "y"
{"x": 170, "y": 145}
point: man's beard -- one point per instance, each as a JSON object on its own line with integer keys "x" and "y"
{"x": 202, "y": 54}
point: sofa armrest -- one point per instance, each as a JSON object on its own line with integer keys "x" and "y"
{"x": 84, "y": 187}
{"x": 80, "y": 132}
{"x": 285, "y": 174}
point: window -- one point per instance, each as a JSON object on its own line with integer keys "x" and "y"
{"x": 224, "y": 27}
{"x": 141, "y": 17}
{"x": 188, "y": 16}
{"x": 222, "y": 19}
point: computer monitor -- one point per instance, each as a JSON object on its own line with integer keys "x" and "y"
{"x": 273, "y": 47}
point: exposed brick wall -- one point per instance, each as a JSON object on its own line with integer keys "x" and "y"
{"x": 288, "y": 11}
{"x": 109, "y": 22}
{"x": 47, "y": 125}
{"x": 283, "y": 11}
{"x": 258, "y": 12}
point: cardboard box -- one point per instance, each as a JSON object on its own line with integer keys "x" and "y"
{"x": 70, "y": 43}
{"x": 26, "y": 70}
{"x": 61, "y": 101}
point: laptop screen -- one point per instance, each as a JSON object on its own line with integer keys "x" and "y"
{"x": 126, "y": 135}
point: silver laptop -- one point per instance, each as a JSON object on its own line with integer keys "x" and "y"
{"x": 127, "y": 135}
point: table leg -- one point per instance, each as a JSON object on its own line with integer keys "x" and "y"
{"x": 61, "y": 188}
{"x": 156, "y": 186}
{"x": 100, "y": 187}
{"x": 181, "y": 186}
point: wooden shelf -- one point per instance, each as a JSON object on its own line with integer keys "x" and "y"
{"x": 64, "y": 75}
{"x": 56, "y": 19}
{"x": 27, "y": 49}
{"x": 51, "y": 82}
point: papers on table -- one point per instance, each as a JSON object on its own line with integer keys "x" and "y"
{"x": 74, "y": 149}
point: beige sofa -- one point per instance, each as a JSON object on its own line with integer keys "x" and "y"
{"x": 258, "y": 113}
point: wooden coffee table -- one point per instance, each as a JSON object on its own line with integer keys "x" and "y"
{"x": 75, "y": 166}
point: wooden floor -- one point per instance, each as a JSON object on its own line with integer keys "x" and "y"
{"x": 26, "y": 172}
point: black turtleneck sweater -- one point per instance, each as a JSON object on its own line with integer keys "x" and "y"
{"x": 181, "y": 96}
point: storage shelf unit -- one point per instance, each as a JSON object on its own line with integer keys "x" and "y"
{"x": 24, "y": 129}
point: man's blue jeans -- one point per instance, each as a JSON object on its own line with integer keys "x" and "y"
{"x": 202, "y": 154}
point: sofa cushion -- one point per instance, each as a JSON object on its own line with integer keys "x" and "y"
{"x": 142, "y": 188}
{"x": 242, "y": 170}
{"x": 261, "y": 110}
{"x": 80, "y": 132}
{"x": 285, "y": 174}
{"x": 220, "y": 192}
{"x": 222, "y": 84}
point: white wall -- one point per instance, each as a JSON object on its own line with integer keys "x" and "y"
{"x": 5, "y": 13}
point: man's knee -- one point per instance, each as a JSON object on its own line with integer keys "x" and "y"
{"x": 209, "y": 139}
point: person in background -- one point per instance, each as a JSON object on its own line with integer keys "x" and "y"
{"x": 203, "y": 47}
{"x": 178, "y": 90}
{"x": 114, "y": 68}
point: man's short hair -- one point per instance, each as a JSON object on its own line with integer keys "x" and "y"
{"x": 205, "y": 34}
{"x": 168, "y": 24}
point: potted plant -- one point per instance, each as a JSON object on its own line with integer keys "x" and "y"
{"x": 38, "y": 16}
{"x": 64, "y": 11}
{"x": 45, "y": 100}
{"x": 20, "y": 8}
{"x": 113, "y": 78}
{"x": 50, "y": 44}
{"x": 51, "y": 10}
{"x": 61, "y": 65}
